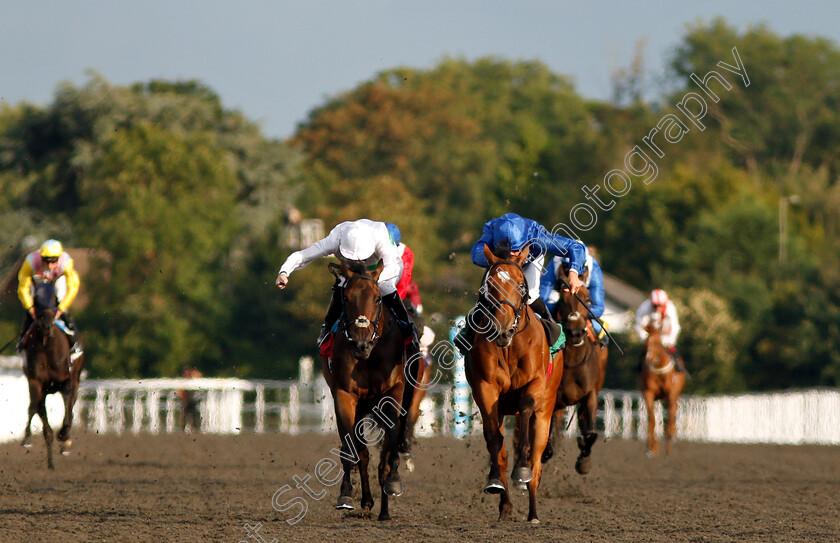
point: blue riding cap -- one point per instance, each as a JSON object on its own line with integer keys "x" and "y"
{"x": 394, "y": 231}
{"x": 512, "y": 228}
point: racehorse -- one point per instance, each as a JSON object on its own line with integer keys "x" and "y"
{"x": 584, "y": 368}
{"x": 509, "y": 370}
{"x": 48, "y": 369}
{"x": 659, "y": 381}
{"x": 366, "y": 377}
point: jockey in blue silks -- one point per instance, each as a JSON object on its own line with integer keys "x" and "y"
{"x": 511, "y": 230}
{"x": 593, "y": 280}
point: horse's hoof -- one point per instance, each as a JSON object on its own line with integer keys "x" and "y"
{"x": 494, "y": 486}
{"x": 583, "y": 465}
{"x": 521, "y": 475}
{"x": 26, "y": 444}
{"x": 534, "y": 521}
{"x": 64, "y": 447}
{"x": 344, "y": 502}
{"x": 384, "y": 516}
{"x": 393, "y": 488}
{"x": 521, "y": 486}
{"x": 650, "y": 454}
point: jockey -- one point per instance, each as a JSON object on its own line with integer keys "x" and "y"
{"x": 52, "y": 264}
{"x": 593, "y": 280}
{"x": 659, "y": 306}
{"x": 407, "y": 257}
{"x": 362, "y": 241}
{"x": 515, "y": 232}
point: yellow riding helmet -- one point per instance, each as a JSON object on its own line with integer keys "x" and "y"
{"x": 51, "y": 249}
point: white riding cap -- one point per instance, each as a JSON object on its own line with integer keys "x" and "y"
{"x": 358, "y": 243}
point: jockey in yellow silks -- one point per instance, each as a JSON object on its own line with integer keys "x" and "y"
{"x": 52, "y": 264}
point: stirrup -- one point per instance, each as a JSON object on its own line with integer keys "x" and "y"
{"x": 322, "y": 335}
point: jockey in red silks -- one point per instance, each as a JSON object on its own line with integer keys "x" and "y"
{"x": 407, "y": 257}
{"x": 659, "y": 307}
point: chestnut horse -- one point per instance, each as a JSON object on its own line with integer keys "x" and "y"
{"x": 659, "y": 381}
{"x": 584, "y": 369}
{"x": 48, "y": 369}
{"x": 509, "y": 370}
{"x": 366, "y": 377}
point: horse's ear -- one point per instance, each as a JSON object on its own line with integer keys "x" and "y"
{"x": 378, "y": 271}
{"x": 522, "y": 257}
{"x": 491, "y": 258}
{"x": 345, "y": 269}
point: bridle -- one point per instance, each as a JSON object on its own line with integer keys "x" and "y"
{"x": 649, "y": 361}
{"x": 522, "y": 289}
{"x": 361, "y": 321}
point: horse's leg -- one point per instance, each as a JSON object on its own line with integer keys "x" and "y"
{"x": 345, "y": 414}
{"x": 587, "y": 410}
{"x": 538, "y": 433}
{"x": 671, "y": 425}
{"x": 487, "y": 400}
{"x": 505, "y": 505}
{"x": 364, "y": 462}
{"x": 522, "y": 472}
{"x": 69, "y": 393}
{"x": 389, "y": 460}
{"x": 414, "y": 374}
{"x": 652, "y": 445}
{"x": 556, "y": 422}
{"x": 48, "y": 433}
{"x": 411, "y": 421}
{"x": 34, "y": 399}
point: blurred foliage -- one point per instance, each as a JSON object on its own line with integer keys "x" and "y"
{"x": 193, "y": 204}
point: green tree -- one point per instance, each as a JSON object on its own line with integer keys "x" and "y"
{"x": 164, "y": 209}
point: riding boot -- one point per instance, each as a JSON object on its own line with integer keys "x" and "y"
{"x": 394, "y": 303}
{"x": 539, "y": 307}
{"x": 679, "y": 364}
{"x": 333, "y": 313}
{"x": 553, "y": 330}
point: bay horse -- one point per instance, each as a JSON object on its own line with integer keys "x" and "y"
{"x": 48, "y": 369}
{"x": 659, "y": 381}
{"x": 509, "y": 369}
{"x": 584, "y": 369}
{"x": 366, "y": 377}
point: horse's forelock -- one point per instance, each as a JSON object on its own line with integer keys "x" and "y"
{"x": 45, "y": 297}
{"x": 356, "y": 267}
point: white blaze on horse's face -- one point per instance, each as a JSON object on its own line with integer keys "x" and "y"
{"x": 503, "y": 275}
{"x": 362, "y": 322}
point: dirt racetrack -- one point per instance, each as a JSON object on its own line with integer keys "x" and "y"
{"x": 190, "y": 488}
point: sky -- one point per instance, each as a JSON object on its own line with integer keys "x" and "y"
{"x": 277, "y": 60}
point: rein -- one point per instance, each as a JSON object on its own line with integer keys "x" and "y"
{"x": 659, "y": 371}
